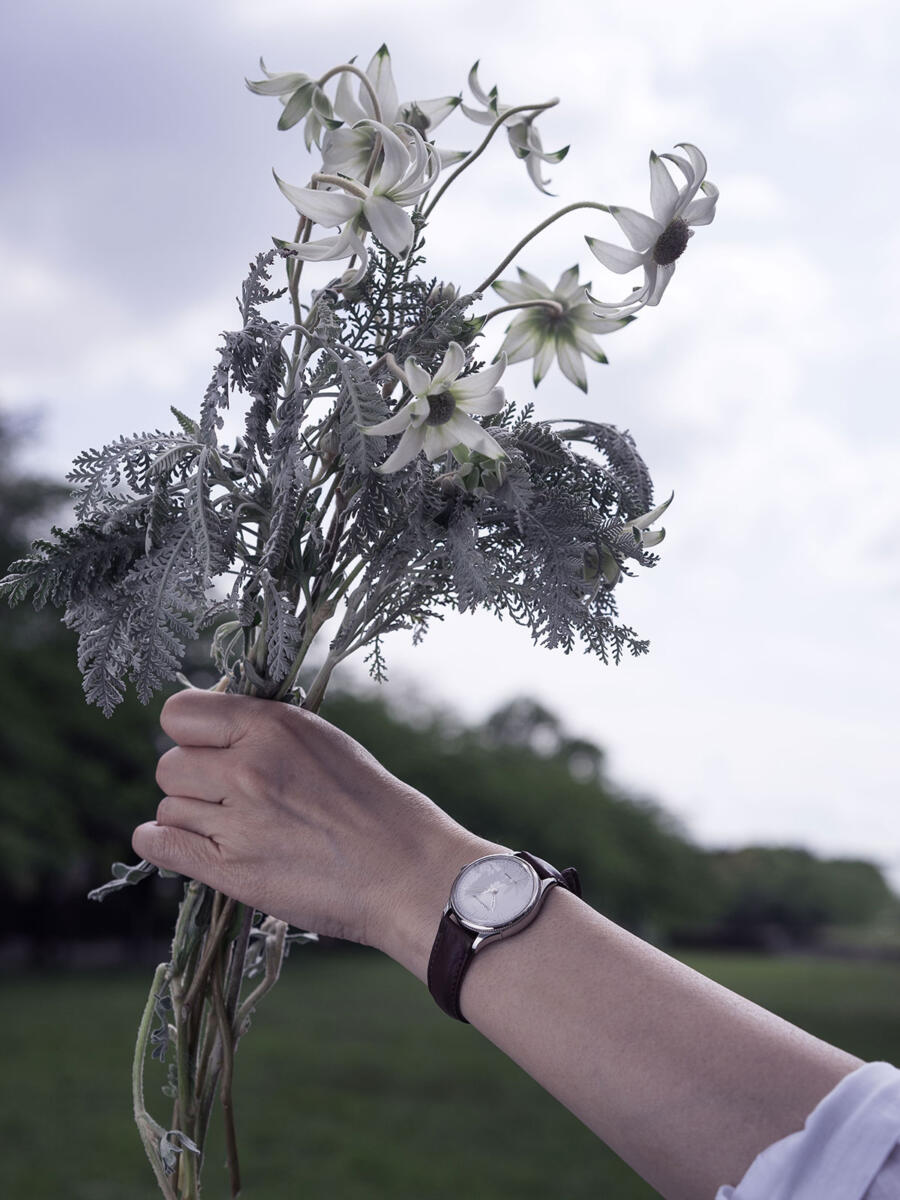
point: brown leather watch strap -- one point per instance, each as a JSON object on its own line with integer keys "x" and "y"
{"x": 450, "y": 956}
{"x": 452, "y": 950}
{"x": 567, "y": 877}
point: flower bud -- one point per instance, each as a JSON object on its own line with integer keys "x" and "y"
{"x": 442, "y": 293}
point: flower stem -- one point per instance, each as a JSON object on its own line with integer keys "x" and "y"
{"x": 188, "y": 1182}
{"x": 150, "y": 1132}
{"x": 349, "y": 69}
{"x": 467, "y": 162}
{"x": 227, "y": 1035}
{"x": 551, "y": 304}
{"x": 532, "y": 234}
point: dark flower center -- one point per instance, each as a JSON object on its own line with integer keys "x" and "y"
{"x": 671, "y": 243}
{"x": 440, "y": 409}
{"x": 414, "y": 116}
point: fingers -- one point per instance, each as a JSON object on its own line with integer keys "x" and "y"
{"x": 199, "y": 718}
{"x": 201, "y": 772}
{"x": 178, "y": 850}
{"x": 194, "y": 816}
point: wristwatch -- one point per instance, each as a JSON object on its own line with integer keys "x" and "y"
{"x": 491, "y": 898}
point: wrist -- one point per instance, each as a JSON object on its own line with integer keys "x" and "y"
{"x": 421, "y": 889}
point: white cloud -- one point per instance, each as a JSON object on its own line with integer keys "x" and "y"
{"x": 761, "y": 389}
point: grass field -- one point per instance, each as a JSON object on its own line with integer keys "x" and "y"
{"x": 353, "y": 1085}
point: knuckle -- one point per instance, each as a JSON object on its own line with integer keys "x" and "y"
{"x": 164, "y": 811}
{"x": 248, "y": 775}
{"x": 165, "y": 769}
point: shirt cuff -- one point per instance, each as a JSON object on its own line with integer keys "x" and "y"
{"x": 843, "y": 1145}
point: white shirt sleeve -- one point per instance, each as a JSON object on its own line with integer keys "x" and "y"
{"x": 848, "y": 1149}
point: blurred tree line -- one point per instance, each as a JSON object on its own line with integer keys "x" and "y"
{"x": 74, "y": 784}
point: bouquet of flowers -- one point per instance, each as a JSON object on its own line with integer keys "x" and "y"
{"x": 380, "y": 475}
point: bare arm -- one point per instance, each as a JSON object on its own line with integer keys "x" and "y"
{"x": 682, "y": 1078}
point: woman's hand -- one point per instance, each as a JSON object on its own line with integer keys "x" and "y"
{"x": 274, "y": 806}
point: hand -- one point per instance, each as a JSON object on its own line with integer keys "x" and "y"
{"x": 274, "y": 806}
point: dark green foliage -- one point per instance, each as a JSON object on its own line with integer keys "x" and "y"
{"x": 777, "y": 896}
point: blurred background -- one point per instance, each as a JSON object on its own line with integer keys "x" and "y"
{"x": 729, "y": 797}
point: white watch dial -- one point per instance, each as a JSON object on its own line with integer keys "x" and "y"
{"x": 494, "y": 891}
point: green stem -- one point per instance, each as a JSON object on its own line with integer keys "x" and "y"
{"x": 349, "y": 69}
{"x": 348, "y": 185}
{"x": 467, "y": 162}
{"x": 218, "y": 925}
{"x": 187, "y": 1164}
{"x": 533, "y": 233}
{"x": 150, "y": 1132}
{"x": 227, "y": 1035}
{"x": 554, "y": 305}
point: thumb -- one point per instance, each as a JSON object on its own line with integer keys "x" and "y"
{"x": 178, "y": 850}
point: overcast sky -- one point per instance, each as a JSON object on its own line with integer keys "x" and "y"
{"x": 137, "y": 184}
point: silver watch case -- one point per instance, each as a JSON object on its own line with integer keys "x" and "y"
{"x": 492, "y": 933}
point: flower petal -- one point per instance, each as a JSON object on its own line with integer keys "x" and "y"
{"x": 435, "y": 111}
{"x": 326, "y": 249}
{"x": 663, "y": 192}
{"x": 571, "y": 363}
{"x": 482, "y": 405}
{"x": 647, "y": 519}
{"x": 446, "y": 158}
{"x": 419, "y": 380}
{"x": 441, "y": 438}
{"x": 461, "y": 428}
{"x": 697, "y": 157}
{"x": 325, "y": 208}
{"x": 390, "y": 223}
{"x": 480, "y": 118}
{"x": 396, "y": 157}
{"x": 297, "y": 106}
{"x": 478, "y": 383}
{"x": 536, "y": 286}
{"x": 584, "y": 342}
{"x": 542, "y": 361}
{"x": 585, "y": 319}
{"x": 407, "y": 448}
{"x": 615, "y": 258}
{"x": 477, "y": 90}
{"x": 453, "y": 362}
{"x": 522, "y": 341}
{"x": 382, "y": 77}
{"x": 641, "y": 230}
{"x": 347, "y": 151}
{"x": 660, "y": 282}
{"x": 279, "y": 84}
{"x": 568, "y": 287}
{"x": 395, "y": 424}
{"x": 514, "y": 292}
{"x": 637, "y": 299}
{"x": 346, "y": 105}
{"x": 702, "y": 211}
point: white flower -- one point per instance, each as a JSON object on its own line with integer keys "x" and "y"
{"x": 344, "y": 245}
{"x": 348, "y": 150}
{"x": 437, "y": 418}
{"x": 302, "y": 98}
{"x": 659, "y": 241}
{"x": 406, "y": 172}
{"x": 543, "y": 331}
{"x": 523, "y": 137}
{"x": 601, "y": 565}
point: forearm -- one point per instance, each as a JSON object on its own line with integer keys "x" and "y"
{"x": 682, "y": 1078}
{"x": 685, "y": 1080}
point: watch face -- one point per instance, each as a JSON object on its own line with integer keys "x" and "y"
{"x": 494, "y": 891}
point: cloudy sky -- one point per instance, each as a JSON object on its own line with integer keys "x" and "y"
{"x": 137, "y": 184}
